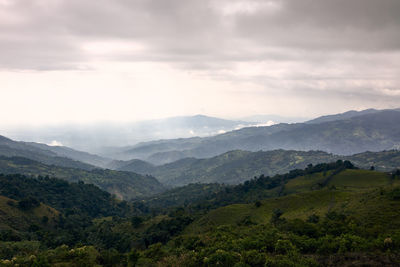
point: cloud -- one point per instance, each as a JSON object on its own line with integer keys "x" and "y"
{"x": 272, "y": 52}
{"x": 61, "y": 32}
{"x": 55, "y": 143}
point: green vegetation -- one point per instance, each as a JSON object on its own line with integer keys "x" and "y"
{"x": 10, "y": 148}
{"x": 360, "y": 179}
{"x": 238, "y": 166}
{"x": 125, "y": 185}
{"x": 324, "y": 215}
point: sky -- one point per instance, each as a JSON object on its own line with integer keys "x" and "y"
{"x": 74, "y": 61}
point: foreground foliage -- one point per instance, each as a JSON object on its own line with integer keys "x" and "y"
{"x": 325, "y": 215}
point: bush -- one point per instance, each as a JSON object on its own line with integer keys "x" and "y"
{"x": 284, "y": 246}
{"x": 28, "y": 203}
{"x": 222, "y": 258}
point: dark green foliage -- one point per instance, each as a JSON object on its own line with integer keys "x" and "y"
{"x": 181, "y": 196}
{"x": 28, "y": 203}
{"x": 133, "y": 257}
{"x": 200, "y": 197}
{"x": 394, "y": 194}
{"x": 270, "y": 232}
{"x": 136, "y": 221}
{"x": 164, "y": 230}
{"x": 126, "y": 185}
{"x": 71, "y": 198}
{"x": 276, "y": 217}
{"x": 313, "y": 218}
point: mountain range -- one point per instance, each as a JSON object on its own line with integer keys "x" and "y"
{"x": 101, "y": 137}
{"x": 229, "y": 158}
{"x": 342, "y": 134}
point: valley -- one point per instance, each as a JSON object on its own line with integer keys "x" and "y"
{"x": 305, "y": 206}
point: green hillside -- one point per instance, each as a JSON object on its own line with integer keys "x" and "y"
{"x": 85, "y": 199}
{"x": 10, "y": 148}
{"x": 13, "y": 218}
{"x": 304, "y": 195}
{"x": 329, "y": 214}
{"x": 359, "y": 179}
{"x": 53, "y": 155}
{"x": 238, "y": 166}
{"x": 354, "y": 218}
{"x": 233, "y": 167}
{"x": 125, "y": 185}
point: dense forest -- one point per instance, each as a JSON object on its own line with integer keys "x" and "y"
{"x": 326, "y": 214}
{"x": 124, "y": 185}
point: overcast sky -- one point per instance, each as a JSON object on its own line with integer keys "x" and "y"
{"x": 122, "y": 60}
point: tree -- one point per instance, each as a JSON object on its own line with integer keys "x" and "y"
{"x": 28, "y": 203}
{"x": 136, "y": 221}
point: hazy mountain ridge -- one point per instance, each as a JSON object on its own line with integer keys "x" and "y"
{"x": 43, "y": 156}
{"x": 99, "y": 137}
{"x": 373, "y": 131}
{"x": 53, "y": 155}
{"x": 74, "y": 154}
{"x": 342, "y": 116}
{"x": 154, "y": 151}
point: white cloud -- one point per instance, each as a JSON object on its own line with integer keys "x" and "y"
{"x": 268, "y": 123}
{"x": 55, "y": 143}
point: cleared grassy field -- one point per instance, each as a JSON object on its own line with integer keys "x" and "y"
{"x": 360, "y": 179}
{"x": 305, "y": 183}
{"x": 12, "y": 218}
{"x": 365, "y": 195}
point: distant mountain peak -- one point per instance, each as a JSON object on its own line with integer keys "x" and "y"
{"x": 343, "y": 116}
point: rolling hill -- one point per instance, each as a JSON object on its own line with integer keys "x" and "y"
{"x": 237, "y": 166}
{"x": 13, "y": 218}
{"x": 53, "y": 155}
{"x": 124, "y": 185}
{"x": 10, "y": 148}
{"x": 329, "y": 214}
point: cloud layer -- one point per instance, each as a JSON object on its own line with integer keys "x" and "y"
{"x": 345, "y": 50}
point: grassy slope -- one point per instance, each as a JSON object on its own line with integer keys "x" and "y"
{"x": 358, "y": 193}
{"x": 360, "y": 179}
{"x": 12, "y": 218}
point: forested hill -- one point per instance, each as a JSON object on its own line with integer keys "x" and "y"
{"x": 329, "y": 214}
{"x": 125, "y": 185}
{"x": 238, "y": 166}
{"x": 54, "y": 155}
{"x": 374, "y": 131}
{"x": 260, "y": 187}
{"x": 76, "y": 198}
